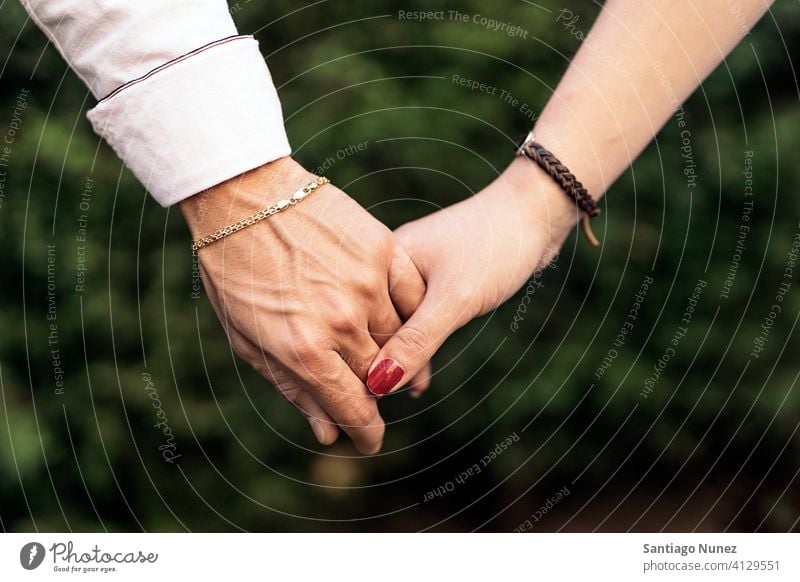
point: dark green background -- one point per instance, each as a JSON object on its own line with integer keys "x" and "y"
{"x": 714, "y": 447}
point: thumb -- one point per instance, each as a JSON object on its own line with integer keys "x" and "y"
{"x": 408, "y": 350}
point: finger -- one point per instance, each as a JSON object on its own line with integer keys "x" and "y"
{"x": 357, "y": 351}
{"x": 421, "y": 382}
{"x": 346, "y": 400}
{"x": 353, "y": 338}
{"x": 383, "y": 323}
{"x": 384, "y": 327}
{"x": 296, "y": 393}
{"x": 405, "y": 354}
{"x": 292, "y": 389}
{"x": 323, "y": 426}
{"x": 407, "y": 291}
{"x": 406, "y": 285}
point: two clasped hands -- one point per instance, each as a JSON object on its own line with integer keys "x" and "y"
{"x": 336, "y": 310}
{"x": 321, "y": 298}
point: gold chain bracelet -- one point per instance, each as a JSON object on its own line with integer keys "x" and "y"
{"x": 279, "y": 206}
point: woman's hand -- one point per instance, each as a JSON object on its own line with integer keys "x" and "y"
{"x": 304, "y": 295}
{"x": 473, "y": 256}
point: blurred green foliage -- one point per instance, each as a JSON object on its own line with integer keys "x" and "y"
{"x": 714, "y": 446}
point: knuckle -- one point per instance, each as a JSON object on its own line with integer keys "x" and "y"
{"x": 304, "y": 352}
{"x": 387, "y": 320}
{"x": 290, "y": 392}
{"x": 367, "y": 283}
{"x": 305, "y": 347}
{"x": 362, "y": 413}
{"x": 326, "y": 373}
{"x": 414, "y": 341}
{"x": 345, "y": 320}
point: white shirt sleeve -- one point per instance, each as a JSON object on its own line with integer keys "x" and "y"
{"x": 185, "y": 101}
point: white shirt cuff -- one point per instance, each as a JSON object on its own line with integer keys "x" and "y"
{"x": 196, "y": 121}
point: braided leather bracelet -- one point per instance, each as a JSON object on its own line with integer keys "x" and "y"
{"x": 535, "y": 151}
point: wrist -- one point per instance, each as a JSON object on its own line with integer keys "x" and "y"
{"x": 545, "y": 208}
{"x": 242, "y": 195}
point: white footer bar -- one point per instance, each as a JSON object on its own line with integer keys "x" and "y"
{"x": 400, "y": 557}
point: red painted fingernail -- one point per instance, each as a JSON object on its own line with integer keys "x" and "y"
{"x": 384, "y": 376}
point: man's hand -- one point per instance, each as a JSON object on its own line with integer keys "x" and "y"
{"x": 304, "y": 295}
